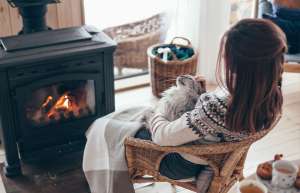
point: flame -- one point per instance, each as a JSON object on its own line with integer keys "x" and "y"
{"x": 64, "y": 106}
{"x": 48, "y": 100}
{"x": 64, "y": 103}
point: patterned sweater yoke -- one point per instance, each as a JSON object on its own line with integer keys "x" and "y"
{"x": 205, "y": 123}
{"x": 208, "y": 117}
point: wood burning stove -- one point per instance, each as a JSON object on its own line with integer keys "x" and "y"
{"x": 53, "y": 85}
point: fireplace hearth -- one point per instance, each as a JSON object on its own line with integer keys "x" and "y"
{"x": 53, "y": 85}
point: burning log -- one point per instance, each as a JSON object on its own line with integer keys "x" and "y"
{"x": 62, "y": 104}
{"x": 64, "y": 107}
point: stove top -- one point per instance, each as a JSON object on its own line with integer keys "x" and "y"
{"x": 45, "y": 38}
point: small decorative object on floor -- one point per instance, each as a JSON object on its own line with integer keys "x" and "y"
{"x": 264, "y": 170}
{"x": 168, "y": 61}
{"x": 279, "y": 175}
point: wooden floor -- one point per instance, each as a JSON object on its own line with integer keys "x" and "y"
{"x": 285, "y": 138}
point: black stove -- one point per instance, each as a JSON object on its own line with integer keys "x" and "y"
{"x": 53, "y": 85}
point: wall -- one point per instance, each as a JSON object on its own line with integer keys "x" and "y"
{"x": 66, "y": 14}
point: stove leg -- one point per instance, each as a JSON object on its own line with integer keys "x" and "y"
{"x": 12, "y": 165}
{"x": 12, "y": 170}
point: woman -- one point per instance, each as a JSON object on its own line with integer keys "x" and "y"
{"x": 251, "y": 55}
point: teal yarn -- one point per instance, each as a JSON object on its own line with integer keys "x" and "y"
{"x": 181, "y": 53}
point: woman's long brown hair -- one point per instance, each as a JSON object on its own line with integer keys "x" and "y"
{"x": 251, "y": 60}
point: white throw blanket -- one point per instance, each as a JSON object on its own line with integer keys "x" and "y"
{"x": 104, "y": 161}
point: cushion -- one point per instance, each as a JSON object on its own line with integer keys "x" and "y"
{"x": 288, "y": 14}
{"x": 292, "y": 30}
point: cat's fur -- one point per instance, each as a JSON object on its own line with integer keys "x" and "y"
{"x": 177, "y": 100}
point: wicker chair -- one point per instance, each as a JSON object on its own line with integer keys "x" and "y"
{"x": 134, "y": 39}
{"x": 226, "y": 159}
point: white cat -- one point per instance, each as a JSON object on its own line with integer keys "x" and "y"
{"x": 178, "y": 99}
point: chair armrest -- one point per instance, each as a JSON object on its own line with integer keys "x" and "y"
{"x": 213, "y": 154}
{"x": 196, "y": 150}
{"x": 201, "y": 149}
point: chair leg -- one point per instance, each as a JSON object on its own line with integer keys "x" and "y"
{"x": 204, "y": 180}
{"x": 173, "y": 188}
{"x": 164, "y": 187}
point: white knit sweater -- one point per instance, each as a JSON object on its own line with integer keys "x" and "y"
{"x": 204, "y": 124}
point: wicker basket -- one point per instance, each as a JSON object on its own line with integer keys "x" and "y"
{"x": 164, "y": 74}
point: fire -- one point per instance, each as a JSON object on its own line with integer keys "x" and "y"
{"x": 64, "y": 103}
{"x": 48, "y": 100}
{"x": 61, "y": 106}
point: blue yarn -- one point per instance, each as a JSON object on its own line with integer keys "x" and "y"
{"x": 182, "y": 53}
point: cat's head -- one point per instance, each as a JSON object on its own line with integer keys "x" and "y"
{"x": 189, "y": 83}
{"x": 180, "y": 98}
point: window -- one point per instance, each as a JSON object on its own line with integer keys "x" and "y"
{"x": 131, "y": 24}
{"x": 241, "y": 9}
